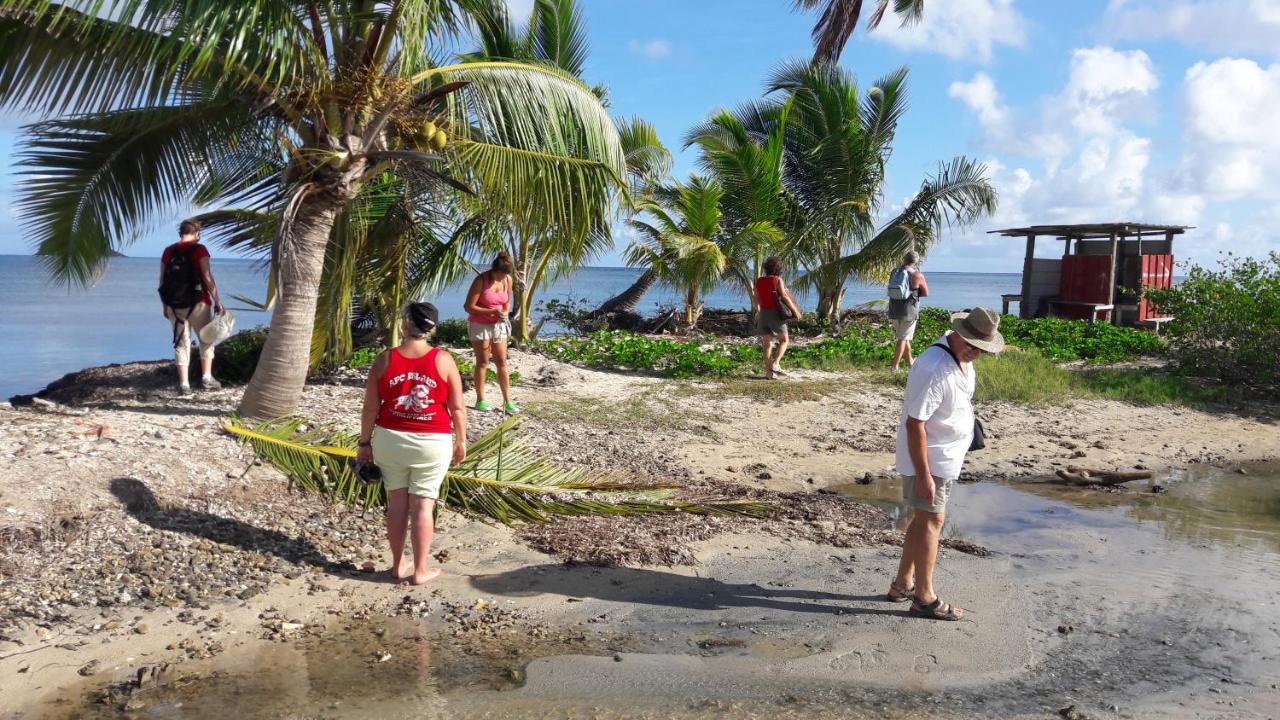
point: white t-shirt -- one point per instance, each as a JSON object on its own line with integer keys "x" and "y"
{"x": 941, "y": 394}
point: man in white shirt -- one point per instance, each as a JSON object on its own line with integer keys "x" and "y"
{"x": 934, "y": 434}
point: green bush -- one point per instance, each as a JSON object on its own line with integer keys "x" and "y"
{"x": 454, "y": 332}
{"x": 1062, "y": 340}
{"x": 236, "y": 357}
{"x": 364, "y": 357}
{"x": 665, "y": 356}
{"x": 571, "y": 313}
{"x": 1226, "y": 323}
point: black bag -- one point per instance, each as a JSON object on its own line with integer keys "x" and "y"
{"x": 784, "y": 310}
{"x": 180, "y": 286}
{"x": 979, "y": 433}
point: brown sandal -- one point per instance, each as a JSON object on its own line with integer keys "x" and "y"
{"x": 902, "y": 594}
{"x": 936, "y": 610}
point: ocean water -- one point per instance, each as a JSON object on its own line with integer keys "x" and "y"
{"x": 48, "y": 330}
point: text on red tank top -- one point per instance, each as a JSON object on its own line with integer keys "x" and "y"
{"x": 413, "y": 395}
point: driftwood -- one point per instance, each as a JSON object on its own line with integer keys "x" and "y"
{"x": 1075, "y": 475}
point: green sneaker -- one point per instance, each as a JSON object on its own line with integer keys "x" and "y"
{"x": 483, "y": 405}
{"x": 510, "y": 408}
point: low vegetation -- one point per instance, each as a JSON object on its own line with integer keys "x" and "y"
{"x": 866, "y": 342}
{"x": 237, "y": 356}
{"x": 1225, "y": 323}
{"x": 1028, "y": 378}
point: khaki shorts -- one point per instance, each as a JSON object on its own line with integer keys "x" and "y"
{"x": 941, "y": 493}
{"x": 417, "y": 461}
{"x": 490, "y": 332}
{"x": 903, "y": 329}
{"x": 184, "y": 322}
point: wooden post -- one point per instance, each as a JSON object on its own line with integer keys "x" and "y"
{"x": 1025, "y": 311}
{"x": 1111, "y": 286}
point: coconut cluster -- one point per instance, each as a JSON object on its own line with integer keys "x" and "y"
{"x": 431, "y": 136}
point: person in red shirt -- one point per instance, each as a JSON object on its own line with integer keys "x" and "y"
{"x": 414, "y": 426}
{"x": 190, "y": 299}
{"x": 771, "y": 292}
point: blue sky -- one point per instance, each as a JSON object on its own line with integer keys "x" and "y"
{"x": 1085, "y": 111}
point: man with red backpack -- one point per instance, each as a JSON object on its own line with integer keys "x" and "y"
{"x": 190, "y": 299}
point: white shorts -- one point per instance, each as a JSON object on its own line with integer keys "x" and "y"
{"x": 490, "y": 332}
{"x": 417, "y": 461}
{"x": 903, "y": 329}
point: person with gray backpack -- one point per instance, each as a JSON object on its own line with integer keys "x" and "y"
{"x": 906, "y": 286}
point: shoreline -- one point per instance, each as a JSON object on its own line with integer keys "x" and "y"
{"x": 135, "y": 486}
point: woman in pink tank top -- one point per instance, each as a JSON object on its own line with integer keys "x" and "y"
{"x": 488, "y": 304}
{"x": 414, "y": 426}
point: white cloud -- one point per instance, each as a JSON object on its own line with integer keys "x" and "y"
{"x": 655, "y": 49}
{"x": 1084, "y": 163}
{"x": 981, "y": 96}
{"x": 1220, "y": 25}
{"x": 1230, "y": 107}
{"x": 520, "y": 10}
{"x": 960, "y": 29}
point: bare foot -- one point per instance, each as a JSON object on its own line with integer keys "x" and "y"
{"x": 403, "y": 572}
{"x": 426, "y": 576}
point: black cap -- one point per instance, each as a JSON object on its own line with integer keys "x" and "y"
{"x": 424, "y": 316}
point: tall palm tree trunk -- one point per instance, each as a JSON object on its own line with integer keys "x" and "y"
{"x": 278, "y": 379}
{"x": 629, "y": 299}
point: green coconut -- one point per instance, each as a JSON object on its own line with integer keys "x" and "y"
{"x": 426, "y": 132}
{"x": 439, "y": 140}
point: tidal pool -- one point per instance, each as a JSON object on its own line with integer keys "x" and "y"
{"x": 1164, "y": 601}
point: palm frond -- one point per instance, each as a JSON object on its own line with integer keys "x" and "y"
{"x": 94, "y": 180}
{"x": 501, "y": 478}
{"x": 558, "y": 35}
{"x": 535, "y": 143}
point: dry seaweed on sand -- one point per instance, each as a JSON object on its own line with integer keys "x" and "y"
{"x": 667, "y": 539}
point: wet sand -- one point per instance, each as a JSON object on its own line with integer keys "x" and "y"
{"x": 783, "y": 617}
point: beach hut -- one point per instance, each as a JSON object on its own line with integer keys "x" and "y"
{"x": 1101, "y": 275}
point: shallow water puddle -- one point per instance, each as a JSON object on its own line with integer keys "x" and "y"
{"x": 1205, "y": 507}
{"x": 1158, "y": 594}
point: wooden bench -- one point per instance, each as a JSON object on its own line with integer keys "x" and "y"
{"x": 1006, "y": 299}
{"x": 1094, "y": 309}
{"x": 1155, "y": 323}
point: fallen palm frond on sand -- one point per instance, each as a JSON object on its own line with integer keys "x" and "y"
{"x": 501, "y": 477}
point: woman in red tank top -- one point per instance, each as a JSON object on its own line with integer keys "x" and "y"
{"x": 770, "y": 324}
{"x": 414, "y": 426}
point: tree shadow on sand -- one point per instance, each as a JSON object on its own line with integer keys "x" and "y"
{"x": 142, "y": 504}
{"x": 666, "y": 589}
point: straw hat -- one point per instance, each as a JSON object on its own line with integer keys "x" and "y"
{"x": 219, "y": 329}
{"x": 980, "y": 328}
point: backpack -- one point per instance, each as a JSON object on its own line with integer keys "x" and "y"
{"x": 180, "y": 286}
{"x": 900, "y": 284}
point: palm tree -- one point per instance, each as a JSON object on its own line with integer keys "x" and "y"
{"x": 289, "y": 109}
{"x": 838, "y": 20}
{"x": 555, "y": 35}
{"x": 750, "y": 168}
{"x": 837, "y": 144}
{"x": 684, "y": 242}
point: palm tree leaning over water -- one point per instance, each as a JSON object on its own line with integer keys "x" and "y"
{"x": 684, "y": 242}
{"x": 263, "y": 104}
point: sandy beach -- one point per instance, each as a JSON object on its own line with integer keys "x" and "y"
{"x": 139, "y": 537}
